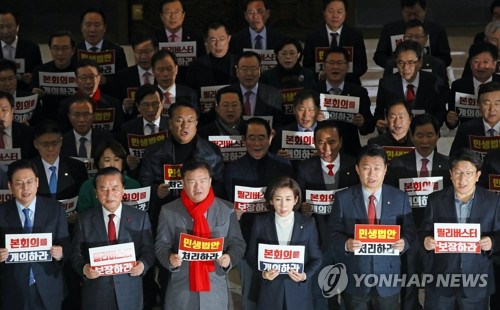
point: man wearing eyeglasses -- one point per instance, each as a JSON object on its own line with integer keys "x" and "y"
{"x": 463, "y": 203}
{"x": 423, "y": 91}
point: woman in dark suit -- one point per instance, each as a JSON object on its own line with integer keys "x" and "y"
{"x": 284, "y": 226}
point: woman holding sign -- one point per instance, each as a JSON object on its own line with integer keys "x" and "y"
{"x": 284, "y": 247}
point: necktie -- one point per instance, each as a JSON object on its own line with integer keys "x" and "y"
{"x": 53, "y": 181}
{"x": 491, "y": 131}
{"x": 28, "y": 229}
{"x": 248, "y": 106}
{"x": 2, "y": 143}
{"x": 410, "y": 93}
{"x": 330, "y": 169}
{"x": 166, "y": 102}
{"x": 258, "y": 42}
{"x": 82, "y": 150}
{"x": 335, "y": 91}
{"x": 173, "y": 37}
{"x": 152, "y": 127}
{"x": 424, "y": 172}
{"x": 307, "y": 130}
{"x": 334, "y": 36}
{"x": 9, "y": 52}
{"x": 94, "y": 49}
{"x": 112, "y": 230}
{"x": 372, "y": 214}
{"x": 146, "y": 76}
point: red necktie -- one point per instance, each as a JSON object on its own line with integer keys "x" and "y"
{"x": 166, "y": 102}
{"x": 2, "y": 143}
{"x": 173, "y": 37}
{"x": 410, "y": 93}
{"x": 372, "y": 214}
{"x": 423, "y": 171}
{"x": 248, "y": 106}
{"x": 330, "y": 170}
{"x": 111, "y": 230}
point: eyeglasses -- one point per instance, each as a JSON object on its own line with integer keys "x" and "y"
{"x": 173, "y": 13}
{"x": 9, "y": 79}
{"x": 60, "y": 48}
{"x": 221, "y": 40}
{"x": 338, "y": 63}
{"x": 227, "y": 106}
{"x": 48, "y": 144}
{"x": 83, "y": 114}
{"x": 467, "y": 174}
{"x": 484, "y": 62}
{"x": 85, "y": 78}
{"x": 248, "y": 69}
{"x": 28, "y": 183}
{"x": 409, "y": 63}
{"x": 414, "y": 37}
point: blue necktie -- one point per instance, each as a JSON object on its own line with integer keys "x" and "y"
{"x": 258, "y": 42}
{"x": 28, "y": 229}
{"x": 53, "y": 181}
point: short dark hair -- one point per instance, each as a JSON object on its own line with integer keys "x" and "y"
{"x": 193, "y": 164}
{"x": 466, "y": 154}
{"x": 294, "y": 42}
{"x": 81, "y": 98}
{"x": 283, "y": 182}
{"x": 488, "y": 88}
{"x": 371, "y": 150}
{"x": 214, "y": 25}
{"x": 9, "y": 97}
{"x": 142, "y": 37}
{"x": 115, "y": 147}
{"x": 248, "y": 54}
{"x": 409, "y": 45}
{"x": 247, "y": 2}
{"x": 481, "y": 47}
{"x": 494, "y": 4}
{"x": 46, "y": 126}
{"x": 256, "y": 121}
{"x": 162, "y": 54}
{"x": 19, "y": 165}
{"x": 92, "y": 9}
{"x": 7, "y": 11}
{"x": 410, "y": 3}
{"x": 108, "y": 171}
{"x": 87, "y": 62}
{"x": 413, "y": 23}
{"x": 424, "y": 119}
{"x": 6, "y": 64}
{"x": 338, "y": 50}
{"x": 227, "y": 90}
{"x": 169, "y": 1}
{"x": 397, "y": 102}
{"x": 62, "y": 33}
{"x": 327, "y": 2}
{"x": 305, "y": 94}
{"x": 182, "y": 103}
{"x": 147, "y": 89}
{"x": 328, "y": 123}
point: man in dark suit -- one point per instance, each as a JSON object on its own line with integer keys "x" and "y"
{"x": 482, "y": 62}
{"x": 371, "y": 202}
{"x": 81, "y": 141}
{"x": 398, "y": 120}
{"x": 491, "y": 166}
{"x": 259, "y": 99}
{"x": 172, "y": 16}
{"x": 488, "y": 125}
{"x": 335, "y": 33}
{"x": 335, "y": 69}
{"x": 32, "y": 285}
{"x": 463, "y": 203}
{"x": 15, "y": 48}
{"x": 410, "y": 9}
{"x": 114, "y": 223}
{"x": 257, "y": 36}
{"x": 424, "y": 91}
{"x": 127, "y": 80}
{"x": 93, "y": 30}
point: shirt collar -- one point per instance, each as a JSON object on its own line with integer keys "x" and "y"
{"x": 487, "y": 126}
{"x": 336, "y": 164}
{"x": 88, "y": 136}
{"x": 330, "y": 86}
{"x": 156, "y": 122}
{"x": 302, "y": 129}
{"x": 253, "y": 90}
{"x": 117, "y": 213}
{"x": 414, "y": 83}
{"x": 367, "y": 194}
{"x": 98, "y": 45}
{"x": 477, "y": 83}
{"x": 328, "y": 30}
{"x": 178, "y": 34}
{"x": 32, "y": 207}
{"x": 47, "y": 166}
{"x": 254, "y": 33}
{"x": 142, "y": 71}
{"x": 14, "y": 43}
{"x": 171, "y": 90}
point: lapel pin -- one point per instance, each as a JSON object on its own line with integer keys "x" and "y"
{"x": 388, "y": 202}
{"x": 301, "y": 227}
{"x": 65, "y": 174}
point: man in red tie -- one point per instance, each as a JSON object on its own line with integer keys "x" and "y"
{"x": 371, "y": 202}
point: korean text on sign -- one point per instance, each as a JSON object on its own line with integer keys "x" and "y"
{"x": 137, "y": 197}
{"x": 457, "y": 238}
{"x": 281, "y": 257}
{"x": 376, "y": 239}
{"x": 60, "y": 83}
{"x": 419, "y": 189}
{"x": 249, "y": 199}
{"x": 299, "y": 145}
{"x": 193, "y": 248}
{"x": 28, "y": 248}
{"x": 339, "y": 108}
{"x": 137, "y": 144}
{"x": 483, "y": 145}
{"x": 231, "y": 147}
{"x": 466, "y": 105}
{"x": 395, "y": 151}
{"x": 113, "y": 259}
{"x": 185, "y": 51}
{"x": 172, "y": 176}
{"x": 321, "y": 201}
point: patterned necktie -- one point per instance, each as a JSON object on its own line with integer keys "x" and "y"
{"x": 335, "y": 91}
{"x": 94, "y": 49}
{"x": 82, "y": 150}
{"x": 166, "y": 102}
{"x": 173, "y": 37}
{"x": 53, "y": 181}
{"x": 248, "y": 105}
{"x": 424, "y": 172}
{"x": 111, "y": 230}
{"x": 491, "y": 131}
{"x": 372, "y": 214}
{"x": 28, "y": 229}
{"x": 334, "y": 36}
{"x": 145, "y": 77}
{"x": 330, "y": 169}
{"x": 151, "y": 127}
{"x": 9, "y": 52}
{"x": 410, "y": 93}
{"x": 258, "y": 42}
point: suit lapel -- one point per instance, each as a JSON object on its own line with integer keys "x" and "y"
{"x": 298, "y": 228}
{"x": 270, "y": 228}
{"x": 43, "y": 185}
{"x": 64, "y": 178}
{"x": 100, "y": 225}
{"x": 12, "y": 216}
{"x": 359, "y": 203}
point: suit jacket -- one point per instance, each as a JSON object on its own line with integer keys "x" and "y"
{"x": 174, "y": 219}
{"x": 213, "y": 129}
{"x": 387, "y": 139}
{"x": 491, "y": 165}
{"x": 120, "y": 59}
{"x": 123, "y": 80}
{"x": 283, "y": 292}
{"x": 136, "y": 127}
{"x": 350, "y": 137}
{"x": 474, "y": 127}
{"x": 90, "y": 232}
{"x": 431, "y": 95}
{"x": 269, "y": 102}
{"x": 22, "y": 137}
{"x": 243, "y": 39}
{"x": 70, "y": 177}
{"x": 14, "y": 278}
{"x": 30, "y": 52}
{"x": 350, "y": 209}
{"x": 201, "y": 73}
{"x": 350, "y": 37}
{"x": 438, "y": 42}
{"x": 485, "y": 210}
{"x": 185, "y": 93}
{"x": 69, "y": 149}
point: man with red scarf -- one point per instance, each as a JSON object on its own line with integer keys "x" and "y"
{"x": 198, "y": 284}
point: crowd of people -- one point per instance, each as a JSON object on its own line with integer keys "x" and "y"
{"x": 252, "y": 139}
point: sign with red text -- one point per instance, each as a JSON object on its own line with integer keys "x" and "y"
{"x": 137, "y": 144}
{"x": 57, "y": 83}
{"x": 281, "y": 257}
{"x": 89, "y": 164}
{"x": 114, "y": 259}
{"x": 24, "y": 108}
{"x": 395, "y": 151}
{"x": 419, "y": 189}
{"x": 231, "y": 147}
{"x": 105, "y": 59}
{"x": 288, "y": 96}
{"x": 137, "y": 197}
{"x": 376, "y": 239}
{"x": 268, "y": 58}
{"x": 494, "y": 182}
{"x": 20, "y": 67}
{"x": 339, "y": 108}
{"x": 7, "y": 156}
{"x": 466, "y": 105}
{"x": 6, "y": 195}
{"x": 193, "y": 248}
{"x": 185, "y": 51}
{"x": 457, "y": 238}
{"x": 482, "y": 144}
{"x": 207, "y": 97}
{"x": 395, "y": 40}
{"x": 321, "y": 201}
{"x": 172, "y": 175}
{"x": 28, "y": 248}
{"x": 104, "y": 119}
{"x": 131, "y": 92}
{"x": 250, "y": 199}
{"x": 69, "y": 205}
{"x": 299, "y": 145}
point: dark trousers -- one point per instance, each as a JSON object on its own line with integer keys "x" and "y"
{"x": 411, "y": 265}
{"x": 436, "y": 302}
{"x": 34, "y": 300}
{"x": 372, "y": 301}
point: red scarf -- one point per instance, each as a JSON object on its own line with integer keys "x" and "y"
{"x": 96, "y": 97}
{"x": 199, "y": 280}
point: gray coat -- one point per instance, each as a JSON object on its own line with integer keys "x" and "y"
{"x": 175, "y": 219}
